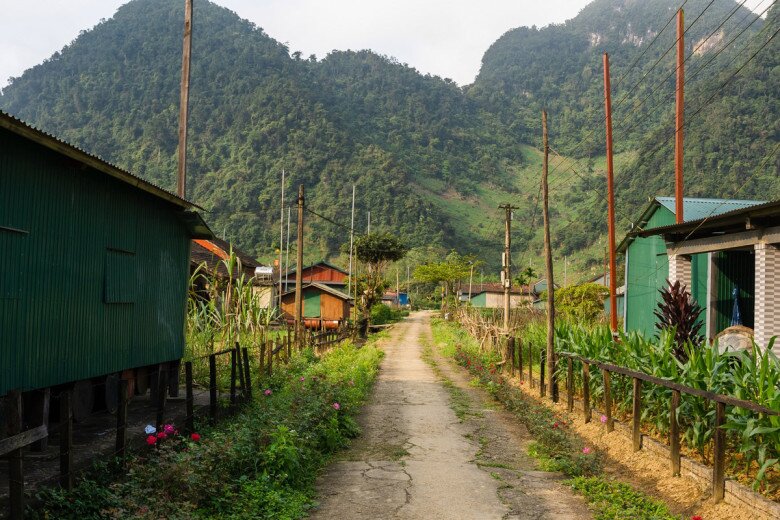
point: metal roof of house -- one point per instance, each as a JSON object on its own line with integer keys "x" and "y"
{"x": 19, "y": 127}
{"x": 322, "y": 262}
{"x": 693, "y": 209}
{"x": 730, "y": 221}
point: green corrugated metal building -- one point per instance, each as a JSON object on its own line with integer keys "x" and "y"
{"x": 647, "y": 267}
{"x": 94, "y": 264}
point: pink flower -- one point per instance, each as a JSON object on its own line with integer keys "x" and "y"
{"x": 169, "y": 429}
{"x": 336, "y": 406}
{"x": 603, "y": 419}
{"x": 151, "y": 440}
{"x": 351, "y": 382}
{"x": 268, "y": 391}
{"x": 303, "y": 378}
{"x": 195, "y": 437}
{"x": 586, "y": 450}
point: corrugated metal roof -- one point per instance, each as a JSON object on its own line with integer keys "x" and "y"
{"x": 52, "y": 142}
{"x": 696, "y": 209}
{"x": 323, "y": 288}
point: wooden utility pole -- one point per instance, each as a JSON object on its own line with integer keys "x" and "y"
{"x": 613, "y": 322}
{"x": 550, "y": 358}
{"x": 679, "y": 119}
{"x": 299, "y": 268}
{"x": 351, "y": 242}
{"x": 184, "y": 99}
{"x": 281, "y": 241}
{"x": 506, "y": 262}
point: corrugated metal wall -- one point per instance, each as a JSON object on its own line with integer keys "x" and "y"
{"x": 98, "y": 281}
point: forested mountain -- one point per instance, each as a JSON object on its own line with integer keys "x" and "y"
{"x": 431, "y": 160}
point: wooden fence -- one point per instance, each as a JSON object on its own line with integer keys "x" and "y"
{"x": 515, "y": 355}
{"x": 271, "y": 352}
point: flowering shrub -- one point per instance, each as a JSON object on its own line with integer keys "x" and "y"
{"x": 264, "y": 459}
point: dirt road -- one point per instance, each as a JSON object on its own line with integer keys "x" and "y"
{"x": 434, "y": 447}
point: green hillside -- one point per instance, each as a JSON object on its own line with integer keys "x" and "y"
{"x": 431, "y": 161}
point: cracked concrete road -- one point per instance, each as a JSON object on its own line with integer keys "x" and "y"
{"x": 417, "y": 460}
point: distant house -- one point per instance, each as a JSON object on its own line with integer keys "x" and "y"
{"x": 394, "y": 299}
{"x": 323, "y": 306}
{"x": 648, "y": 268}
{"x": 737, "y": 249}
{"x": 491, "y": 295}
{"x": 210, "y": 255}
{"x": 323, "y": 273}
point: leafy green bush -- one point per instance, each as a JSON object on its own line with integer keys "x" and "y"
{"x": 263, "y": 460}
{"x": 382, "y": 314}
{"x": 583, "y": 302}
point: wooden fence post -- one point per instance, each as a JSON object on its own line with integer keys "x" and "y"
{"x": 510, "y": 354}
{"x": 240, "y": 369}
{"x": 520, "y": 358}
{"x": 554, "y": 377}
{"x": 213, "y": 388}
{"x": 247, "y": 375}
{"x": 233, "y": 377}
{"x": 262, "y": 356}
{"x": 542, "y": 372}
{"x": 13, "y": 417}
{"x": 289, "y": 347}
{"x": 162, "y": 392}
{"x": 530, "y": 367}
{"x": 570, "y": 384}
{"x": 121, "y": 419}
{"x": 674, "y": 433}
{"x": 719, "y": 454}
{"x": 189, "y": 403}
{"x": 608, "y": 399}
{"x": 586, "y": 391}
{"x": 66, "y": 440}
{"x": 637, "y": 415}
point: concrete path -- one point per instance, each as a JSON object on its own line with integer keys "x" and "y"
{"x": 417, "y": 460}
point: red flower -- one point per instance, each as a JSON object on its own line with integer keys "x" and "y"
{"x": 195, "y": 437}
{"x": 555, "y": 425}
{"x": 151, "y": 440}
{"x": 162, "y": 436}
{"x": 696, "y": 517}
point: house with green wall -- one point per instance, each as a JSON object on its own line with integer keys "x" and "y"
{"x": 713, "y": 276}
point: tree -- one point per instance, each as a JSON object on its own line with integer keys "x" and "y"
{"x": 526, "y": 276}
{"x": 455, "y": 267}
{"x": 375, "y": 250}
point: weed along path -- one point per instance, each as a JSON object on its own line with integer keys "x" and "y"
{"x": 433, "y": 448}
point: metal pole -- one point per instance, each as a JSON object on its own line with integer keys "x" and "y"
{"x": 548, "y": 263}
{"x": 610, "y": 199}
{"x": 351, "y": 242}
{"x": 298, "y": 278}
{"x": 471, "y": 278}
{"x": 184, "y": 99}
{"x": 507, "y": 261}
{"x": 679, "y": 119}
{"x": 368, "y": 230}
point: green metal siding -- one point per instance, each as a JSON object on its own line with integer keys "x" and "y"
{"x": 479, "y": 300}
{"x": 648, "y": 270}
{"x": 311, "y": 304}
{"x": 98, "y": 281}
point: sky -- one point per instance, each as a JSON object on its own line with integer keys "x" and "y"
{"x": 442, "y": 37}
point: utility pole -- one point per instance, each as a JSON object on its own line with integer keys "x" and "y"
{"x": 506, "y": 262}
{"x": 351, "y": 242}
{"x": 397, "y": 288}
{"x": 679, "y": 119}
{"x": 565, "y": 271}
{"x": 181, "y": 181}
{"x": 287, "y": 254}
{"x": 610, "y": 199}
{"x": 368, "y": 230}
{"x": 299, "y": 273}
{"x": 471, "y": 278}
{"x": 551, "y": 386}
{"x": 281, "y": 242}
